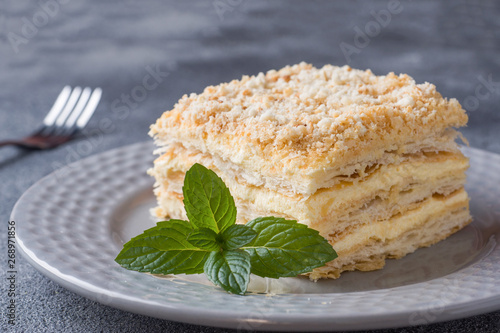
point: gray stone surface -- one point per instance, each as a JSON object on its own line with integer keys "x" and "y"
{"x": 115, "y": 44}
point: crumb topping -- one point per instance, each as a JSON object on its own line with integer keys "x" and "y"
{"x": 302, "y": 117}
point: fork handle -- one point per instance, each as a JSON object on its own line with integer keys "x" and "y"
{"x": 9, "y": 143}
{"x": 38, "y": 142}
{"x": 17, "y": 143}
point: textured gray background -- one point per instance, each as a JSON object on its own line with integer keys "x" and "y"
{"x": 454, "y": 45}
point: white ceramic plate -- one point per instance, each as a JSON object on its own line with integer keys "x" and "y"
{"x": 72, "y": 224}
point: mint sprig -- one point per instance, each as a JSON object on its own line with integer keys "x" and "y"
{"x": 211, "y": 242}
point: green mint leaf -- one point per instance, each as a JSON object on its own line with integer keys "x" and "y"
{"x": 207, "y": 200}
{"x": 285, "y": 248}
{"x": 229, "y": 270}
{"x": 164, "y": 249}
{"x": 204, "y": 238}
{"x": 237, "y": 236}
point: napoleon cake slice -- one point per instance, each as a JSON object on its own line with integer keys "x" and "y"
{"x": 369, "y": 161}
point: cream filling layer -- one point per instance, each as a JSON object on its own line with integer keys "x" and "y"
{"x": 393, "y": 227}
{"x": 367, "y": 247}
{"x": 388, "y": 190}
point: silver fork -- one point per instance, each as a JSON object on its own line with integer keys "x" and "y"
{"x": 70, "y": 113}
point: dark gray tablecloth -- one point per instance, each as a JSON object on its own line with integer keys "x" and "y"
{"x": 189, "y": 45}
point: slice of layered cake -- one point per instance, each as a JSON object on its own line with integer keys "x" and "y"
{"x": 369, "y": 161}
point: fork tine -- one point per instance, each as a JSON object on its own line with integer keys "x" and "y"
{"x": 56, "y": 109}
{"x": 73, "y": 98}
{"x": 89, "y": 109}
{"x": 84, "y": 98}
